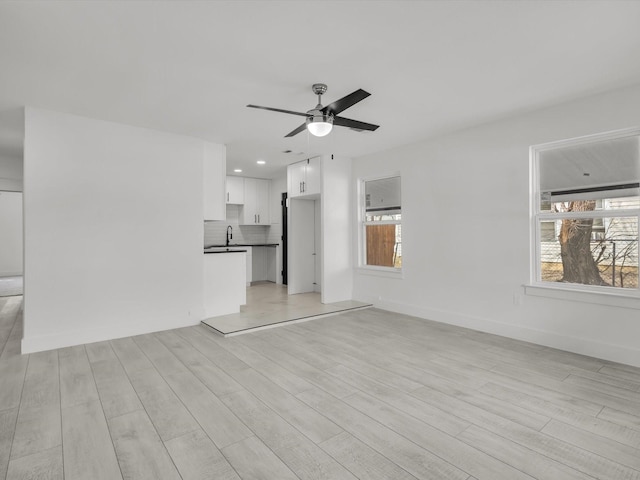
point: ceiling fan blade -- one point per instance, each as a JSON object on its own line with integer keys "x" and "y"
{"x": 355, "y": 124}
{"x": 278, "y": 110}
{"x": 297, "y": 130}
{"x": 346, "y": 102}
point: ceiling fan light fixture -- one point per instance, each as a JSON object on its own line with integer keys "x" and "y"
{"x": 320, "y": 125}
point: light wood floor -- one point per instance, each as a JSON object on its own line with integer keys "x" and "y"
{"x": 366, "y": 394}
{"x": 269, "y": 305}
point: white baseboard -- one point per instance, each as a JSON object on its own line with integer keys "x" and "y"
{"x": 582, "y": 346}
{"x": 79, "y": 337}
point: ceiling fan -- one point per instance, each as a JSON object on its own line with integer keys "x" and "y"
{"x": 320, "y": 120}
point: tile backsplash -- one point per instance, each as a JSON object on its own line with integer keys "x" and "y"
{"x": 215, "y": 233}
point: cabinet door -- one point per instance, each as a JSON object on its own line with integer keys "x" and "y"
{"x": 295, "y": 178}
{"x": 262, "y": 202}
{"x": 312, "y": 177}
{"x": 235, "y": 190}
{"x": 213, "y": 181}
{"x": 249, "y": 215}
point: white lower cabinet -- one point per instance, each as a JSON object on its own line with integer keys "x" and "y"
{"x": 224, "y": 283}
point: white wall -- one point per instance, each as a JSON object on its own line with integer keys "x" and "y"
{"x": 10, "y": 233}
{"x": 337, "y": 220}
{"x": 113, "y": 230}
{"x": 11, "y": 149}
{"x": 465, "y": 202}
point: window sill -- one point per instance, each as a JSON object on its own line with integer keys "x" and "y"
{"x": 621, "y": 299}
{"x": 380, "y": 271}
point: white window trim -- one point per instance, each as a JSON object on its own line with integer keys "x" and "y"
{"x": 613, "y": 296}
{"x": 362, "y": 267}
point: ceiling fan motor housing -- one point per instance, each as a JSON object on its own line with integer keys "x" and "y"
{"x": 319, "y": 88}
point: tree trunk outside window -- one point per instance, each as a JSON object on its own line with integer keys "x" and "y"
{"x": 578, "y": 263}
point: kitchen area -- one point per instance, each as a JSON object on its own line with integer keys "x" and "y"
{"x": 244, "y": 258}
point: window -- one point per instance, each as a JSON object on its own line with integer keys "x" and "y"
{"x": 381, "y": 223}
{"x": 585, "y": 213}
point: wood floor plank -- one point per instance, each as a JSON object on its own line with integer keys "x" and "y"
{"x": 429, "y": 414}
{"x": 620, "y": 432}
{"x": 114, "y": 388}
{"x": 600, "y": 379}
{"x": 197, "y": 458}
{"x": 168, "y": 414}
{"x": 620, "y": 418}
{"x": 7, "y": 428}
{"x": 533, "y": 463}
{"x": 87, "y": 447}
{"x": 627, "y": 390}
{"x": 446, "y": 447}
{"x": 553, "y": 397}
{"x": 625, "y": 402}
{"x": 38, "y": 424}
{"x": 9, "y": 314}
{"x": 408, "y": 455}
{"x": 304, "y": 418}
{"x": 605, "y": 447}
{"x": 140, "y": 452}
{"x": 132, "y": 358}
{"x": 363, "y": 461}
{"x": 294, "y": 343}
{"x": 624, "y": 372}
{"x": 201, "y": 339}
{"x": 279, "y": 375}
{"x": 299, "y": 367}
{"x": 77, "y": 384}
{"x": 254, "y": 461}
{"x": 43, "y": 465}
{"x": 207, "y": 372}
{"x": 13, "y": 366}
{"x": 301, "y": 455}
{"x": 219, "y": 423}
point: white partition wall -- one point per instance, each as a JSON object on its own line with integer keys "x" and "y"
{"x": 338, "y": 212}
{"x": 113, "y": 230}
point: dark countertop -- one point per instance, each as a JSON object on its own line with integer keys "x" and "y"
{"x": 227, "y": 250}
{"x": 234, "y": 245}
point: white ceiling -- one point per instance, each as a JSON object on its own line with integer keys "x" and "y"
{"x": 191, "y": 67}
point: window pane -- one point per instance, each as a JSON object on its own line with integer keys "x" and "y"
{"x": 602, "y": 251}
{"x": 377, "y": 217}
{"x": 593, "y": 203}
{"x": 382, "y": 195}
{"x": 384, "y": 245}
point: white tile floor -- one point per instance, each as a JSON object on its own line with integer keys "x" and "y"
{"x": 269, "y": 305}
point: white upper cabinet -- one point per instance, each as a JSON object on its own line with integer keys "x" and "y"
{"x": 304, "y": 178}
{"x": 256, "y": 202}
{"x": 235, "y": 190}
{"x": 214, "y": 171}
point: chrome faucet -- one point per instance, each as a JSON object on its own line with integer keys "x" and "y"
{"x": 229, "y": 234}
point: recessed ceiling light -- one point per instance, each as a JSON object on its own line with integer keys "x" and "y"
{"x": 261, "y": 162}
{"x": 238, "y": 170}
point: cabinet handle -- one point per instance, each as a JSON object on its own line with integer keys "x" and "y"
{"x": 255, "y": 218}
{"x": 300, "y": 188}
{"x": 258, "y": 218}
{"x": 227, "y": 196}
{"x": 304, "y": 186}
